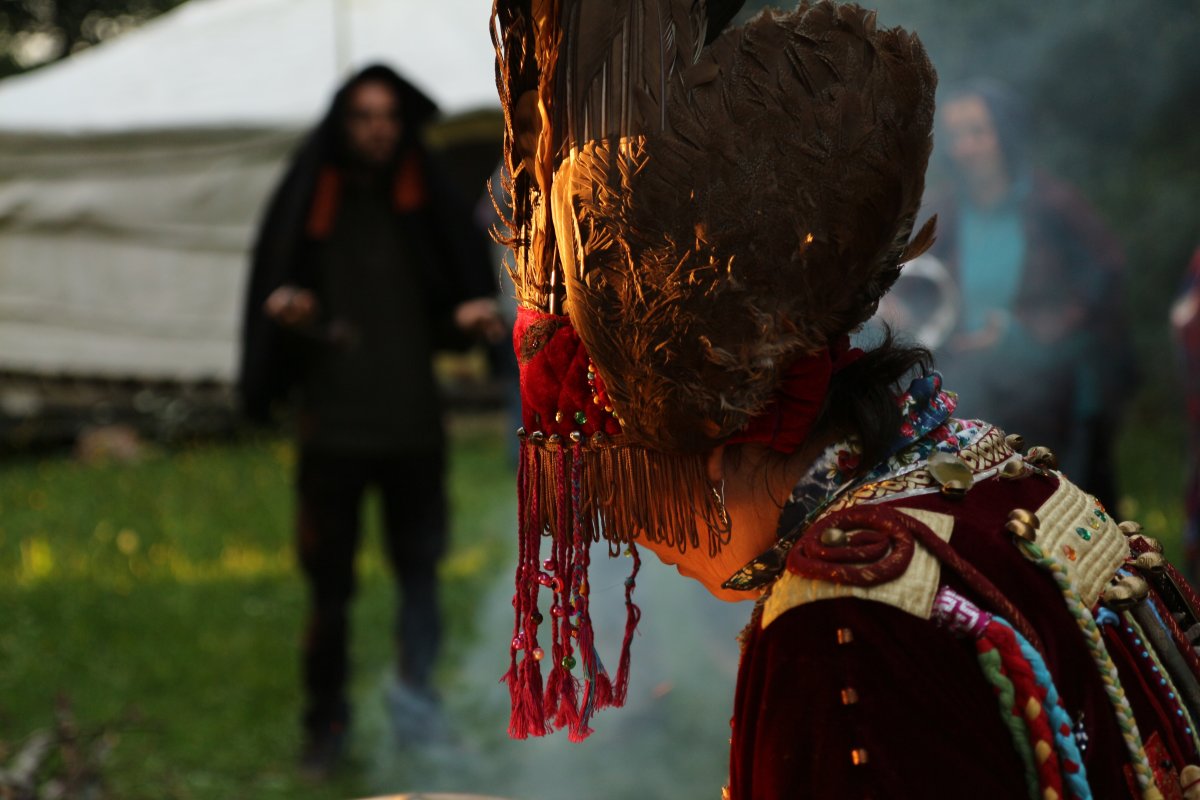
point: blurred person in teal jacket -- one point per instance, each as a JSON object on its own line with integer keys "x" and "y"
{"x": 1041, "y": 344}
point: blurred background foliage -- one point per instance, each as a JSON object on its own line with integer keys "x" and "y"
{"x": 36, "y": 32}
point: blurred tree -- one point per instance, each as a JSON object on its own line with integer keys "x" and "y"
{"x": 36, "y": 32}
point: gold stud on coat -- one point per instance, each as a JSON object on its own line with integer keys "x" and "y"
{"x": 1015, "y": 442}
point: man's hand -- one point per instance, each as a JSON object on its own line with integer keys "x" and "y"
{"x": 292, "y": 307}
{"x": 482, "y": 317}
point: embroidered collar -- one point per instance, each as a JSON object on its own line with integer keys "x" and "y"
{"x": 926, "y": 425}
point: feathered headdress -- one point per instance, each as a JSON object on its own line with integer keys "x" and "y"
{"x": 699, "y": 217}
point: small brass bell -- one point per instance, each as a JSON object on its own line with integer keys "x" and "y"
{"x": 1148, "y": 541}
{"x": 1130, "y": 528}
{"x": 1138, "y": 586}
{"x": 1118, "y": 596}
{"x": 521, "y": 433}
{"x": 1021, "y": 529}
{"x": 576, "y": 437}
{"x": 1015, "y": 441}
{"x": 834, "y": 537}
{"x": 555, "y": 438}
{"x": 537, "y": 437}
{"x": 1042, "y": 457}
{"x": 1013, "y": 469}
{"x": 1150, "y": 561}
{"x": 1026, "y": 516}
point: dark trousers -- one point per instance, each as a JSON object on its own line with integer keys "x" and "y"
{"x": 331, "y": 488}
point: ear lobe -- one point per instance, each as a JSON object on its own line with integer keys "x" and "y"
{"x": 715, "y": 464}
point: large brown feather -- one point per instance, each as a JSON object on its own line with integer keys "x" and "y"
{"x": 718, "y": 211}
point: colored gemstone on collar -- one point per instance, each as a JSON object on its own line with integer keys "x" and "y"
{"x": 1084, "y": 534}
{"x": 1069, "y": 552}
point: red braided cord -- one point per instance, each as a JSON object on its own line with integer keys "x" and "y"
{"x": 1041, "y": 735}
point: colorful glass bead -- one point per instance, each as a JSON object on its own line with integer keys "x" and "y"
{"x": 580, "y": 418}
{"x": 538, "y": 654}
{"x": 536, "y": 617}
{"x": 557, "y": 611}
{"x": 568, "y": 662}
{"x": 518, "y": 642}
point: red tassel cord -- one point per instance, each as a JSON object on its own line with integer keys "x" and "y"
{"x": 525, "y": 677}
{"x": 633, "y": 615}
{"x": 562, "y": 693}
{"x": 581, "y": 560}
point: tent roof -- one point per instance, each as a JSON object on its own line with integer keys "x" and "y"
{"x": 220, "y": 63}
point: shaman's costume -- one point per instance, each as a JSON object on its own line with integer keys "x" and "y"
{"x": 700, "y": 217}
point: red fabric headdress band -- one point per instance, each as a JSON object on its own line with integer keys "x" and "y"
{"x": 788, "y": 419}
{"x": 578, "y": 480}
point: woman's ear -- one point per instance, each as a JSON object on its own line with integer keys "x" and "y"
{"x": 716, "y": 464}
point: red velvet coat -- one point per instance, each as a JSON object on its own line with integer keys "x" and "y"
{"x": 921, "y": 717}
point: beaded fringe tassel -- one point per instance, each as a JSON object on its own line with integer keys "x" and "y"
{"x": 572, "y": 495}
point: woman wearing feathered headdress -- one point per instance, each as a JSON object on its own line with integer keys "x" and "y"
{"x": 700, "y": 218}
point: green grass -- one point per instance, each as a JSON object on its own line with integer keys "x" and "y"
{"x": 162, "y": 598}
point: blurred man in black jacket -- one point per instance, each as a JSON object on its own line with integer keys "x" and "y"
{"x": 365, "y": 263}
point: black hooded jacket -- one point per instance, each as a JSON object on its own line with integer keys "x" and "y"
{"x": 450, "y": 253}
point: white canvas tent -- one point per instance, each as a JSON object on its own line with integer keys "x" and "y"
{"x": 132, "y": 173}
